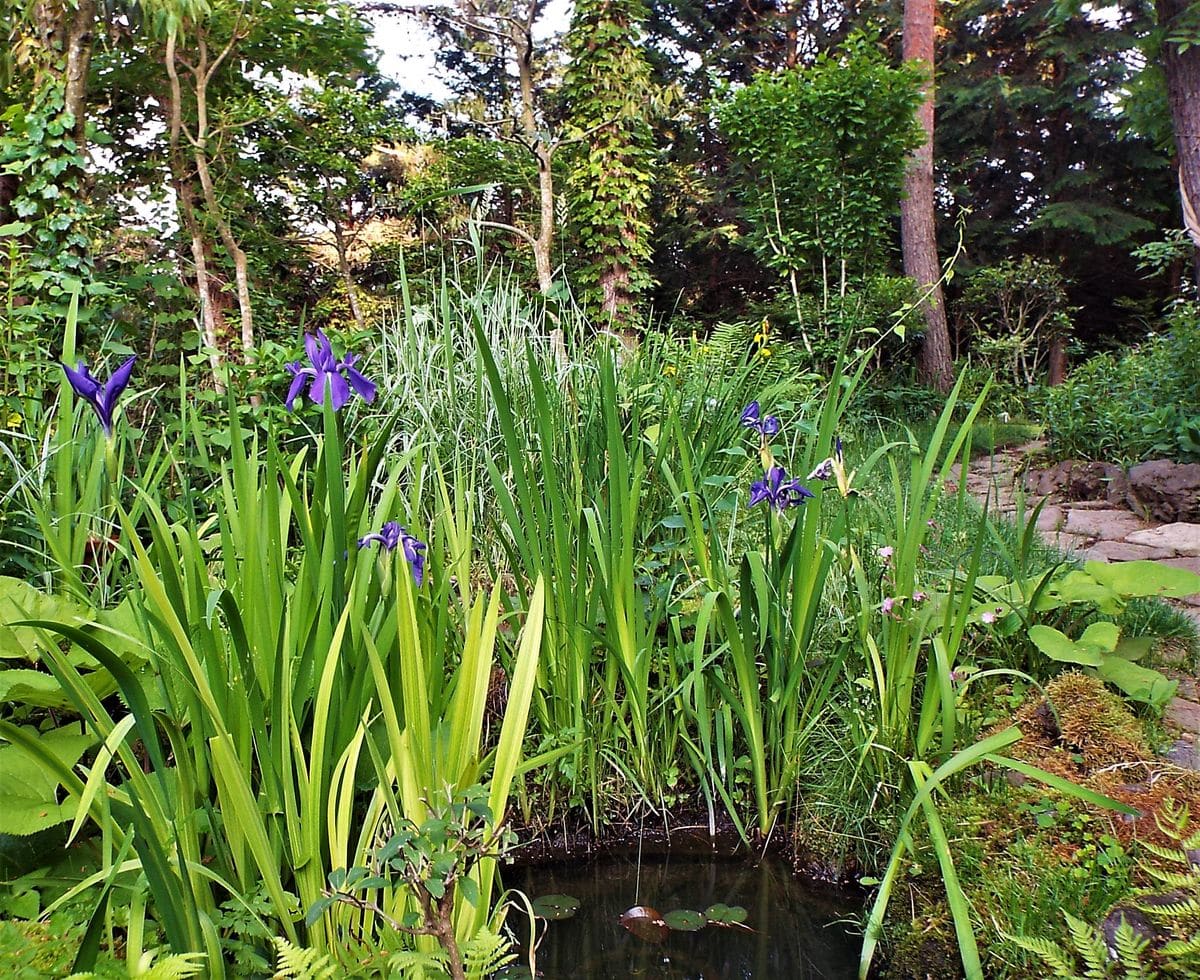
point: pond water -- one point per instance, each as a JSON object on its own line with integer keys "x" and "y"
{"x": 796, "y": 931}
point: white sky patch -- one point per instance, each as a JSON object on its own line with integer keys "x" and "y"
{"x": 407, "y": 49}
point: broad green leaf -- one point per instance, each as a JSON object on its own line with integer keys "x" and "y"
{"x": 1144, "y": 578}
{"x": 1140, "y": 683}
{"x": 1057, "y": 646}
{"x": 1102, "y": 636}
{"x": 30, "y": 801}
{"x": 685, "y": 920}
{"x": 555, "y": 907}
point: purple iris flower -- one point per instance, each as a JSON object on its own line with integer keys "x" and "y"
{"x": 327, "y": 374}
{"x": 393, "y": 534}
{"x": 778, "y": 491}
{"x": 102, "y": 397}
{"x": 768, "y": 426}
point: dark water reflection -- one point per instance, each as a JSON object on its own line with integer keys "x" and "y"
{"x": 798, "y": 933}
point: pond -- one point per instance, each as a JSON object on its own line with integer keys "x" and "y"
{"x": 791, "y": 929}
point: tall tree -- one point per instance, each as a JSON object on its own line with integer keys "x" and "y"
{"x": 918, "y": 231}
{"x": 1179, "y": 21}
{"x": 1034, "y": 144}
{"x": 607, "y": 87}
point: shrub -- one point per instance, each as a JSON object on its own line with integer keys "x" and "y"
{"x": 1136, "y": 405}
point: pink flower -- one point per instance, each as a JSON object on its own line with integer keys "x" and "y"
{"x": 919, "y": 597}
{"x": 988, "y": 617}
{"x": 886, "y": 552}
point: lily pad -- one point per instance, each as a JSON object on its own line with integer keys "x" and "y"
{"x": 646, "y": 923}
{"x": 721, "y": 914}
{"x": 685, "y": 920}
{"x": 555, "y": 907}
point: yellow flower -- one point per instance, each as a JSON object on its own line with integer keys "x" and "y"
{"x": 15, "y": 419}
{"x": 670, "y": 371}
{"x": 764, "y": 352}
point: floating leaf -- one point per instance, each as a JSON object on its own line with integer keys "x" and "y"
{"x": 645, "y": 923}
{"x": 555, "y": 907}
{"x": 685, "y": 920}
{"x": 721, "y": 914}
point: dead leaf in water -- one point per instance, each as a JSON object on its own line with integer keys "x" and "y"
{"x": 646, "y": 923}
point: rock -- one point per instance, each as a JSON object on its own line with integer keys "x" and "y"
{"x": 1183, "y": 714}
{"x": 1192, "y": 564}
{"x": 1094, "y": 505}
{"x": 1137, "y": 920}
{"x": 1184, "y": 753}
{"x": 1107, "y": 525}
{"x": 1074, "y": 479}
{"x": 1166, "y": 491}
{"x": 1179, "y": 538}
{"x": 1051, "y": 518}
{"x": 1064, "y": 541}
{"x": 1123, "y": 551}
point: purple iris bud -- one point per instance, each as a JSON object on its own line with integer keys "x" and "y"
{"x": 751, "y": 419}
{"x": 778, "y": 491}
{"x": 393, "y": 534}
{"x": 325, "y": 375}
{"x": 102, "y": 397}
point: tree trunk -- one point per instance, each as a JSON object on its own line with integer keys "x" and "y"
{"x": 339, "y": 237}
{"x": 1182, "y": 70}
{"x": 918, "y": 232}
{"x": 1057, "y": 370}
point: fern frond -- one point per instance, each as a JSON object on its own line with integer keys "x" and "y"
{"x": 1186, "y": 909}
{"x": 1091, "y": 948}
{"x": 486, "y": 953}
{"x": 298, "y": 963}
{"x": 1130, "y": 947}
{"x": 414, "y": 964}
{"x": 1172, "y": 854}
{"x": 1177, "y": 948}
{"x": 1059, "y": 960}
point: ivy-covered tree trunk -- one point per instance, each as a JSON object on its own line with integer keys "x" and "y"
{"x": 1181, "y": 65}
{"x": 608, "y": 87}
{"x": 64, "y": 32}
{"x": 918, "y": 231}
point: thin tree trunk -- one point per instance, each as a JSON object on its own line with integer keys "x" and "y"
{"x": 918, "y": 232}
{"x": 543, "y": 240}
{"x": 210, "y": 319}
{"x": 339, "y": 238}
{"x": 1182, "y": 69}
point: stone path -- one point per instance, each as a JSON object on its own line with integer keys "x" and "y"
{"x": 1095, "y": 530}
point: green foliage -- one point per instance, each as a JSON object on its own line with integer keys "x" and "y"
{"x": 1011, "y": 314}
{"x": 612, "y": 170}
{"x": 820, "y": 157}
{"x": 1141, "y": 404}
{"x": 1025, "y": 88}
{"x": 1089, "y": 958}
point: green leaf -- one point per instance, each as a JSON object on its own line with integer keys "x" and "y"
{"x": 685, "y": 920}
{"x": 1057, "y": 646}
{"x": 1140, "y": 683}
{"x": 555, "y": 907}
{"x": 1102, "y": 636}
{"x": 30, "y": 801}
{"x": 1144, "y": 578}
{"x": 721, "y": 914}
